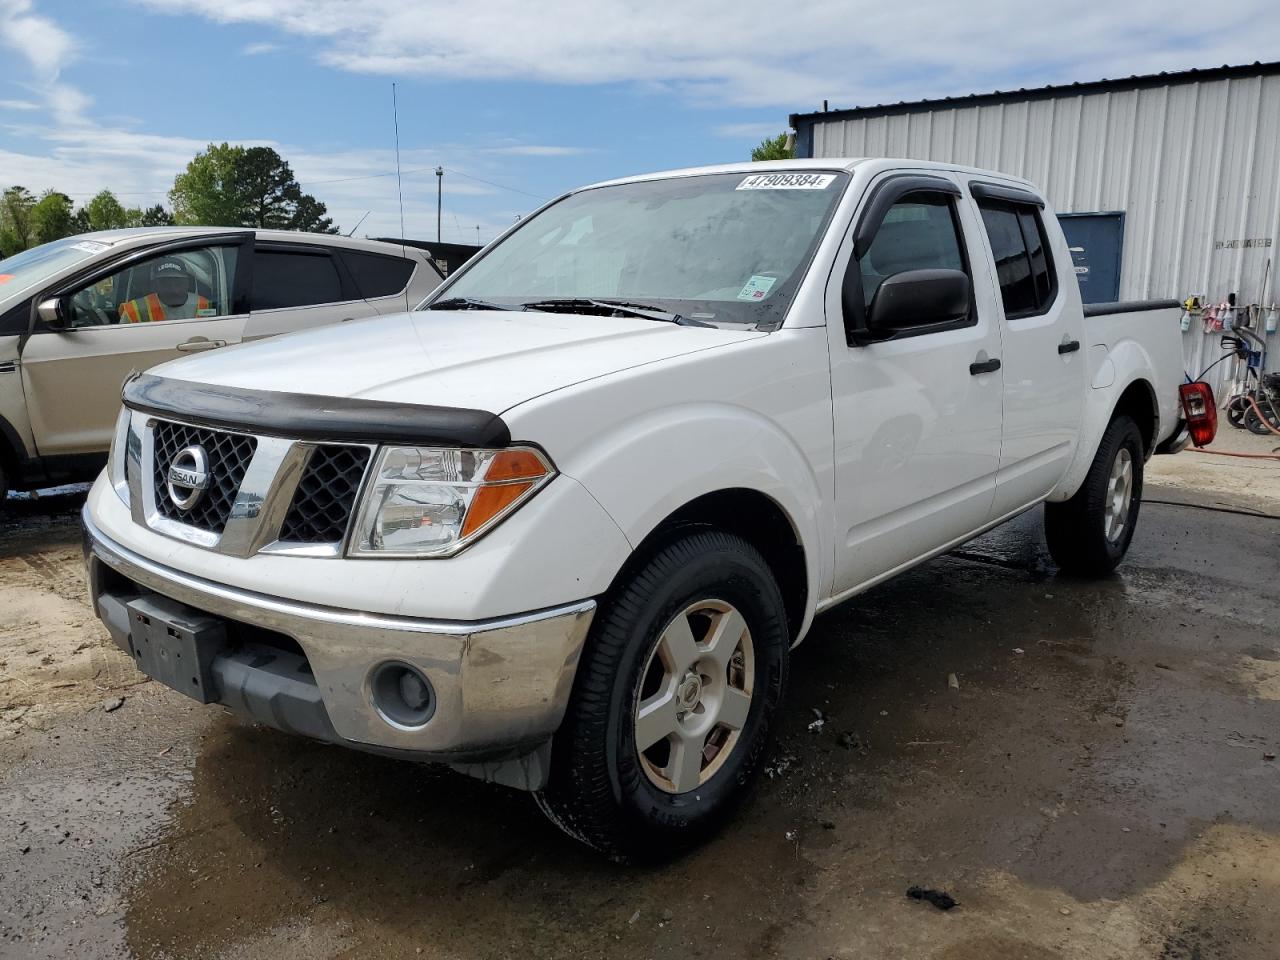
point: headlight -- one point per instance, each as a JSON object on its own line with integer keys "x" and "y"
{"x": 432, "y": 502}
{"x": 116, "y": 474}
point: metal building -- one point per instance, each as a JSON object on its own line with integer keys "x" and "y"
{"x": 1168, "y": 185}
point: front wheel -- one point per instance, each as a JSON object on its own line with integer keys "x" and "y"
{"x": 673, "y": 702}
{"x": 1089, "y": 534}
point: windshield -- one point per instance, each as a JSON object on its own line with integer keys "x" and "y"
{"x": 32, "y": 267}
{"x": 717, "y": 248}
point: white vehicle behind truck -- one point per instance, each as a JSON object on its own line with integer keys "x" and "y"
{"x": 562, "y": 526}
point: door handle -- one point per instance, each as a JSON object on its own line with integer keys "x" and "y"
{"x": 1068, "y": 346}
{"x": 984, "y": 366}
{"x": 196, "y": 344}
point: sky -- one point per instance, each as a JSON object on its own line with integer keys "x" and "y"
{"x": 520, "y": 101}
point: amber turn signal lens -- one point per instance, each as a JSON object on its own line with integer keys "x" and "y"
{"x": 491, "y": 501}
{"x": 515, "y": 465}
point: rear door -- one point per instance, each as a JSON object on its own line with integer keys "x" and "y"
{"x": 72, "y": 377}
{"x": 918, "y": 416}
{"x": 296, "y": 286}
{"x": 1044, "y": 349}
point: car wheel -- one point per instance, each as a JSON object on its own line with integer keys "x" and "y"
{"x": 673, "y": 701}
{"x": 1089, "y": 534}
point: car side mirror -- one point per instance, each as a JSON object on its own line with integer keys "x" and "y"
{"x": 53, "y": 313}
{"x": 916, "y": 299}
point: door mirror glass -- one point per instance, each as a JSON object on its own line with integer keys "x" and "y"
{"x": 918, "y": 298}
{"x": 52, "y": 314}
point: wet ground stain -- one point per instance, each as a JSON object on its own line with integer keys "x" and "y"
{"x": 1097, "y": 787}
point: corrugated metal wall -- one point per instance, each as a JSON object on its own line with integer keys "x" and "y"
{"x": 1194, "y": 166}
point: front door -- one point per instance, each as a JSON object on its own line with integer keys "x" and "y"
{"x": 132, "y": 317}
{"x": 917, "y": 417}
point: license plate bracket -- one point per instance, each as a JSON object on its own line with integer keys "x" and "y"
{"x": 176, "y": 645}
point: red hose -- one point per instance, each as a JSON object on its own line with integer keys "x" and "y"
{"x": 1246, "y": 456}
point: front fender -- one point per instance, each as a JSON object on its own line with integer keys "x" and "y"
{"x": 649, "y": 467}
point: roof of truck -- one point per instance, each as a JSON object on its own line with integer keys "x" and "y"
{"x": 847, "y": 164}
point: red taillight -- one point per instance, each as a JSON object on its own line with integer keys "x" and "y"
{"x": 1200, "y": 411}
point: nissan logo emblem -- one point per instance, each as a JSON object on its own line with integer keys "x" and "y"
{"x": 188, "y": 477}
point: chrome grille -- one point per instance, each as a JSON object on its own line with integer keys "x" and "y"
{"x": 229, "y": 455}
{"x": 321, "y": 507}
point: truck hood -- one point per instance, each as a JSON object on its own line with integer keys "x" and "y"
{"x": 482, "y": 360}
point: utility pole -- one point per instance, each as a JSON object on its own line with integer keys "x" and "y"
{"x": 477, "y": 234}
{"x": 439, "y": 188}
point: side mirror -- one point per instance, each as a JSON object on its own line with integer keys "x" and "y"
{"x": 52, "y": 313}
{"x": 917, "y": 298}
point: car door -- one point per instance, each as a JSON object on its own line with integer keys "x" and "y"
{"x": 73, "y": 369}
{"x": 296, "y": 286}
{"x": 917, "y": 412}
{"x": 1044, "y": 355}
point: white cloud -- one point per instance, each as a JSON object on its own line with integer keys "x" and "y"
{"x": 754, "y": 52}
{"x": 258, "y": 49}
{"x": 86, "y": 154}
{"x": 751, "y": 131}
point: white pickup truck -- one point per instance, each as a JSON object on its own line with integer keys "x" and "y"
{"x": 561, "y": 526}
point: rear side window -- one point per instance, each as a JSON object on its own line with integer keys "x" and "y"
{"x": 286, "y": 278}
{"x": 1023, "y": 265}
{"x": 918, "y": 233}
{"x": 376, "y": 275}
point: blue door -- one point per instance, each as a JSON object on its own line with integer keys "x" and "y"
{"x": 1096, "y": 241}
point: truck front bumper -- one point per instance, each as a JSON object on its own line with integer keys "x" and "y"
{"x": 499, "y": 687}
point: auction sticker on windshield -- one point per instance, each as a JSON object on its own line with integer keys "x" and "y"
{"x": 787, "y": 181}
{"x": 757, "y": 288}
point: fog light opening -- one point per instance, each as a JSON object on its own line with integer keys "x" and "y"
{"x": 402, "y": 695}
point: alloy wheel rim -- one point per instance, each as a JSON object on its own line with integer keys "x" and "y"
{"x": 695, "y": 695}
{"x": 1119, "y": 495}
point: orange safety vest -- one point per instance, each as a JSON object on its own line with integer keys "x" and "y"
{"x": 132, "y": 312}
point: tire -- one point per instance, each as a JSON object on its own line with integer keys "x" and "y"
{"x": 645, "y": 805}
{"x": 1237, "y": 410}
{"x": 1089, "y": 534}
{"x": 1256, "y": 424}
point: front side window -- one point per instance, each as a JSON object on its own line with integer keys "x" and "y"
{"x": 720, "y": 248}
{"x": 285, "y": 278}
{"x": 190, "y": 284}
{"x": 1020, "y": 249}
{"x": 918, "y": 233}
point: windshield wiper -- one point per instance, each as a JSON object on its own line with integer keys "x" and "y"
{"x": 613, "y": 307}
{"x": 466, "y": 303}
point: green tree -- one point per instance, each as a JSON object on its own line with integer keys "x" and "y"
{"x": 17, "y": 231}
{"x": 104, "y": 212}
{"x": 245, "y": 187}
{"x": 773, "y": 148}
{"x": 52, "y": 217}
{"x": 155, "y": 216}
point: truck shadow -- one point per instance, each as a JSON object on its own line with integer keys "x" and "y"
{"x": 967, "y": 717}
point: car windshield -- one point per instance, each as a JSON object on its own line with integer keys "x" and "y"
{"x": 32, "y": 267}
{"x": 717, "y": 248}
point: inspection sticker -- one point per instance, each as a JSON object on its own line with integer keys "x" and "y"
{"x": 757, "y": 288}
{"x": 787, "y": 181}
{"x": 89, "y": 246}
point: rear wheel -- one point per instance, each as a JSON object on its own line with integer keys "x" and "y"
{"x": 1089, "y": 534}
{"x": 673, "y": 702}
